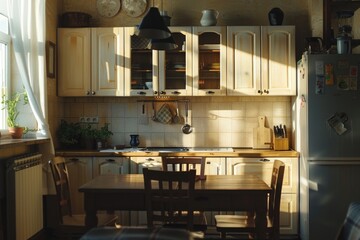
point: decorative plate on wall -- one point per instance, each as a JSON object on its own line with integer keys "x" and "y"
{"x": 134, "y": 8}
{"x": 108, "y": 8}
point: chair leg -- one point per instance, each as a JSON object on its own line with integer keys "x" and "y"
{"x": 223, "y": 235}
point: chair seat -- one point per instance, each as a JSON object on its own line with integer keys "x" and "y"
{"x": 237, "y": 223}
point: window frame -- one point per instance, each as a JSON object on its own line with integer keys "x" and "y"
{"x": 6, "y": 40}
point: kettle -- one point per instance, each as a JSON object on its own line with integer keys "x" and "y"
{"x": 314, "y": 44}
{"x": 209, "y": 17}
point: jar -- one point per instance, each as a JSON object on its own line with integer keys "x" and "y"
{"x": 134, "y": 140}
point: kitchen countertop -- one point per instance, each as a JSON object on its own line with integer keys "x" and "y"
{"x": 238, "y": 152}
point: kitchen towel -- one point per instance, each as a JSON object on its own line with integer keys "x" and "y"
{"x": 164, "y": 114}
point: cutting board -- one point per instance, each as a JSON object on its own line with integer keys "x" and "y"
{"x": 261, "y": 135}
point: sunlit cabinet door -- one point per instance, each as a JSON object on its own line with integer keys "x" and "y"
{"x": 74, "y": 61}
{"x": 141, "y": 65}
{"x": 107, "y": 46}
{"x": 278, "y": 67}
{"x": 243, "y": 60}
{"x": 175, "y": 66}
{"x": 209, "y": 61}
{"x": 80, "y": 172}
{"x": 215, "y": 166}
{"x": 110, "y": 166}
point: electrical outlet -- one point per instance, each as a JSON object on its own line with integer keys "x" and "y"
{"x": 95, "y": 119}
{"x": 82, "y": 119}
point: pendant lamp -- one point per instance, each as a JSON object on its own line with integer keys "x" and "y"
{"x": 153, "y": 25}
{"x": 163, "y": 44}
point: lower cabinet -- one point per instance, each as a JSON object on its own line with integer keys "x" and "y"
{"x": 80, "y": 172}
{"x": 262, "y": 167}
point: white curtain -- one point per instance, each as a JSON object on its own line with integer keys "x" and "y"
{"x": 27, "y": 29}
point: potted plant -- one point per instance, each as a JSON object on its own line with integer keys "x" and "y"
{"x": 88, "y": 136}
{"x": 68, "y": 134}
{"x": 11, "y": 106}
{"x": 103, "y": 135}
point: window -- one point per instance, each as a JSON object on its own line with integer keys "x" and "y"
{"x": 4, "y": 64}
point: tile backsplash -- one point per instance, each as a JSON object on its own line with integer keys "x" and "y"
{"x": 216, "y": 121}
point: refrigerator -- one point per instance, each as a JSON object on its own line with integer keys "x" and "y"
{"x": 327, "y": 136}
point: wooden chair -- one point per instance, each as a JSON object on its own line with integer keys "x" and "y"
{"x": 246, "y": 224}
{"x": 70, "y": 225}
{"x": 185, "y": 164}
{"x": 350, "y": 229}
{"x": 169, "y": 198}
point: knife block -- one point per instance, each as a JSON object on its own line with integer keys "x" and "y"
{"x": 281, "y": 144}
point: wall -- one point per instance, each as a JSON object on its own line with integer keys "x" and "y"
{"x": 217, "y": 121}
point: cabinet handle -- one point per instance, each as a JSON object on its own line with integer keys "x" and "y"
{"x": 260, "y": 92}
{"x": 210, "y": 92}
{"x": 150, "y": 159}
{"x": 93, "y": 93}
{"x": 162, "y": 92}
{"x": 155, "y": 92}
{"x": 266, "y": 91}
{"x": 74, "y": 159}
{"x": 110, "y": 160}
{"x": 176, "y": 92}
{"x": 264, "y": 160}
{"x": 141, "y": 93}
{"x": 87, "y": 93}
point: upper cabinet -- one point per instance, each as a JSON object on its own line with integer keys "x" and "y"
{"x": 90, "y": 62}
{"x": 209, "y": 61}
{"x": 152, "y": 72}
{"x": 175, "y": 66}
{"x": 261, "y": 60}
{"x": 278, "y": 63}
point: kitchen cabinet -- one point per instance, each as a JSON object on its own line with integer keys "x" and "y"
{"x": 261, "y": 60}
{"x": 262, "y": 167}
{"x": 90, "y": 61}
{"x": 80, "y": 172}
{"x": 154, "y": 72}
{"x": 209, "y": 61}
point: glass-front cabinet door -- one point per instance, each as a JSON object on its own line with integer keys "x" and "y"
{"x": 175, "y": 66}
{"x": 209, "y": 61}
{"x": 141, "y": 65}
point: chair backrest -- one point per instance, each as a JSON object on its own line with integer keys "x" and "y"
{"x": 61, "y": 180}
{"x": 169, "y": 197}
{"x": 275, "y": 196}
{"x": 185, "y": 164}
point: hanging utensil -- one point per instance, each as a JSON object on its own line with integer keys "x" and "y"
{"x": 187, "y": 129}
{"x": 143, "y": 117}
{"x": 176, "y": 118}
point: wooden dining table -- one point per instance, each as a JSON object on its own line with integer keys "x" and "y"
{"x": 215, "y": 193}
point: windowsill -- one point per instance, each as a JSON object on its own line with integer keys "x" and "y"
{"x": 6, "y": 142}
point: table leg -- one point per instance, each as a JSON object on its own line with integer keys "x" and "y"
{"x": 260, "y": 220}
{"x": 91, "y": 219}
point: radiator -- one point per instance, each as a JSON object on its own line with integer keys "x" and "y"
{"x": 25, "y": 174}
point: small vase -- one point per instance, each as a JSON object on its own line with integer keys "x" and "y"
{"x": 276, "y": 16}
{"x": 134, "y": 140}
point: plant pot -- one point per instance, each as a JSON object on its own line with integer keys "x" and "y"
{"x": 16, "y": 132}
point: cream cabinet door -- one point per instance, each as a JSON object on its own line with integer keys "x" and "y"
{"x": 209, "y": 61}
{"x": 278, "y": 66}
{"x": 175, "y": 66}
{"x": 141, "y": 65}
{"x": 243, "y": 60}
{"x": 107, "y": 46}
{"x": 80, "y": 172}
{"x": 262, "y": 167}
{"x": 110, "y": 166}
{"x": 74, "y": 71}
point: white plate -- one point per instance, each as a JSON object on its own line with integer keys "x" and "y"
{"x": 134, "y": 8}
{"x": 108, "y": 8}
